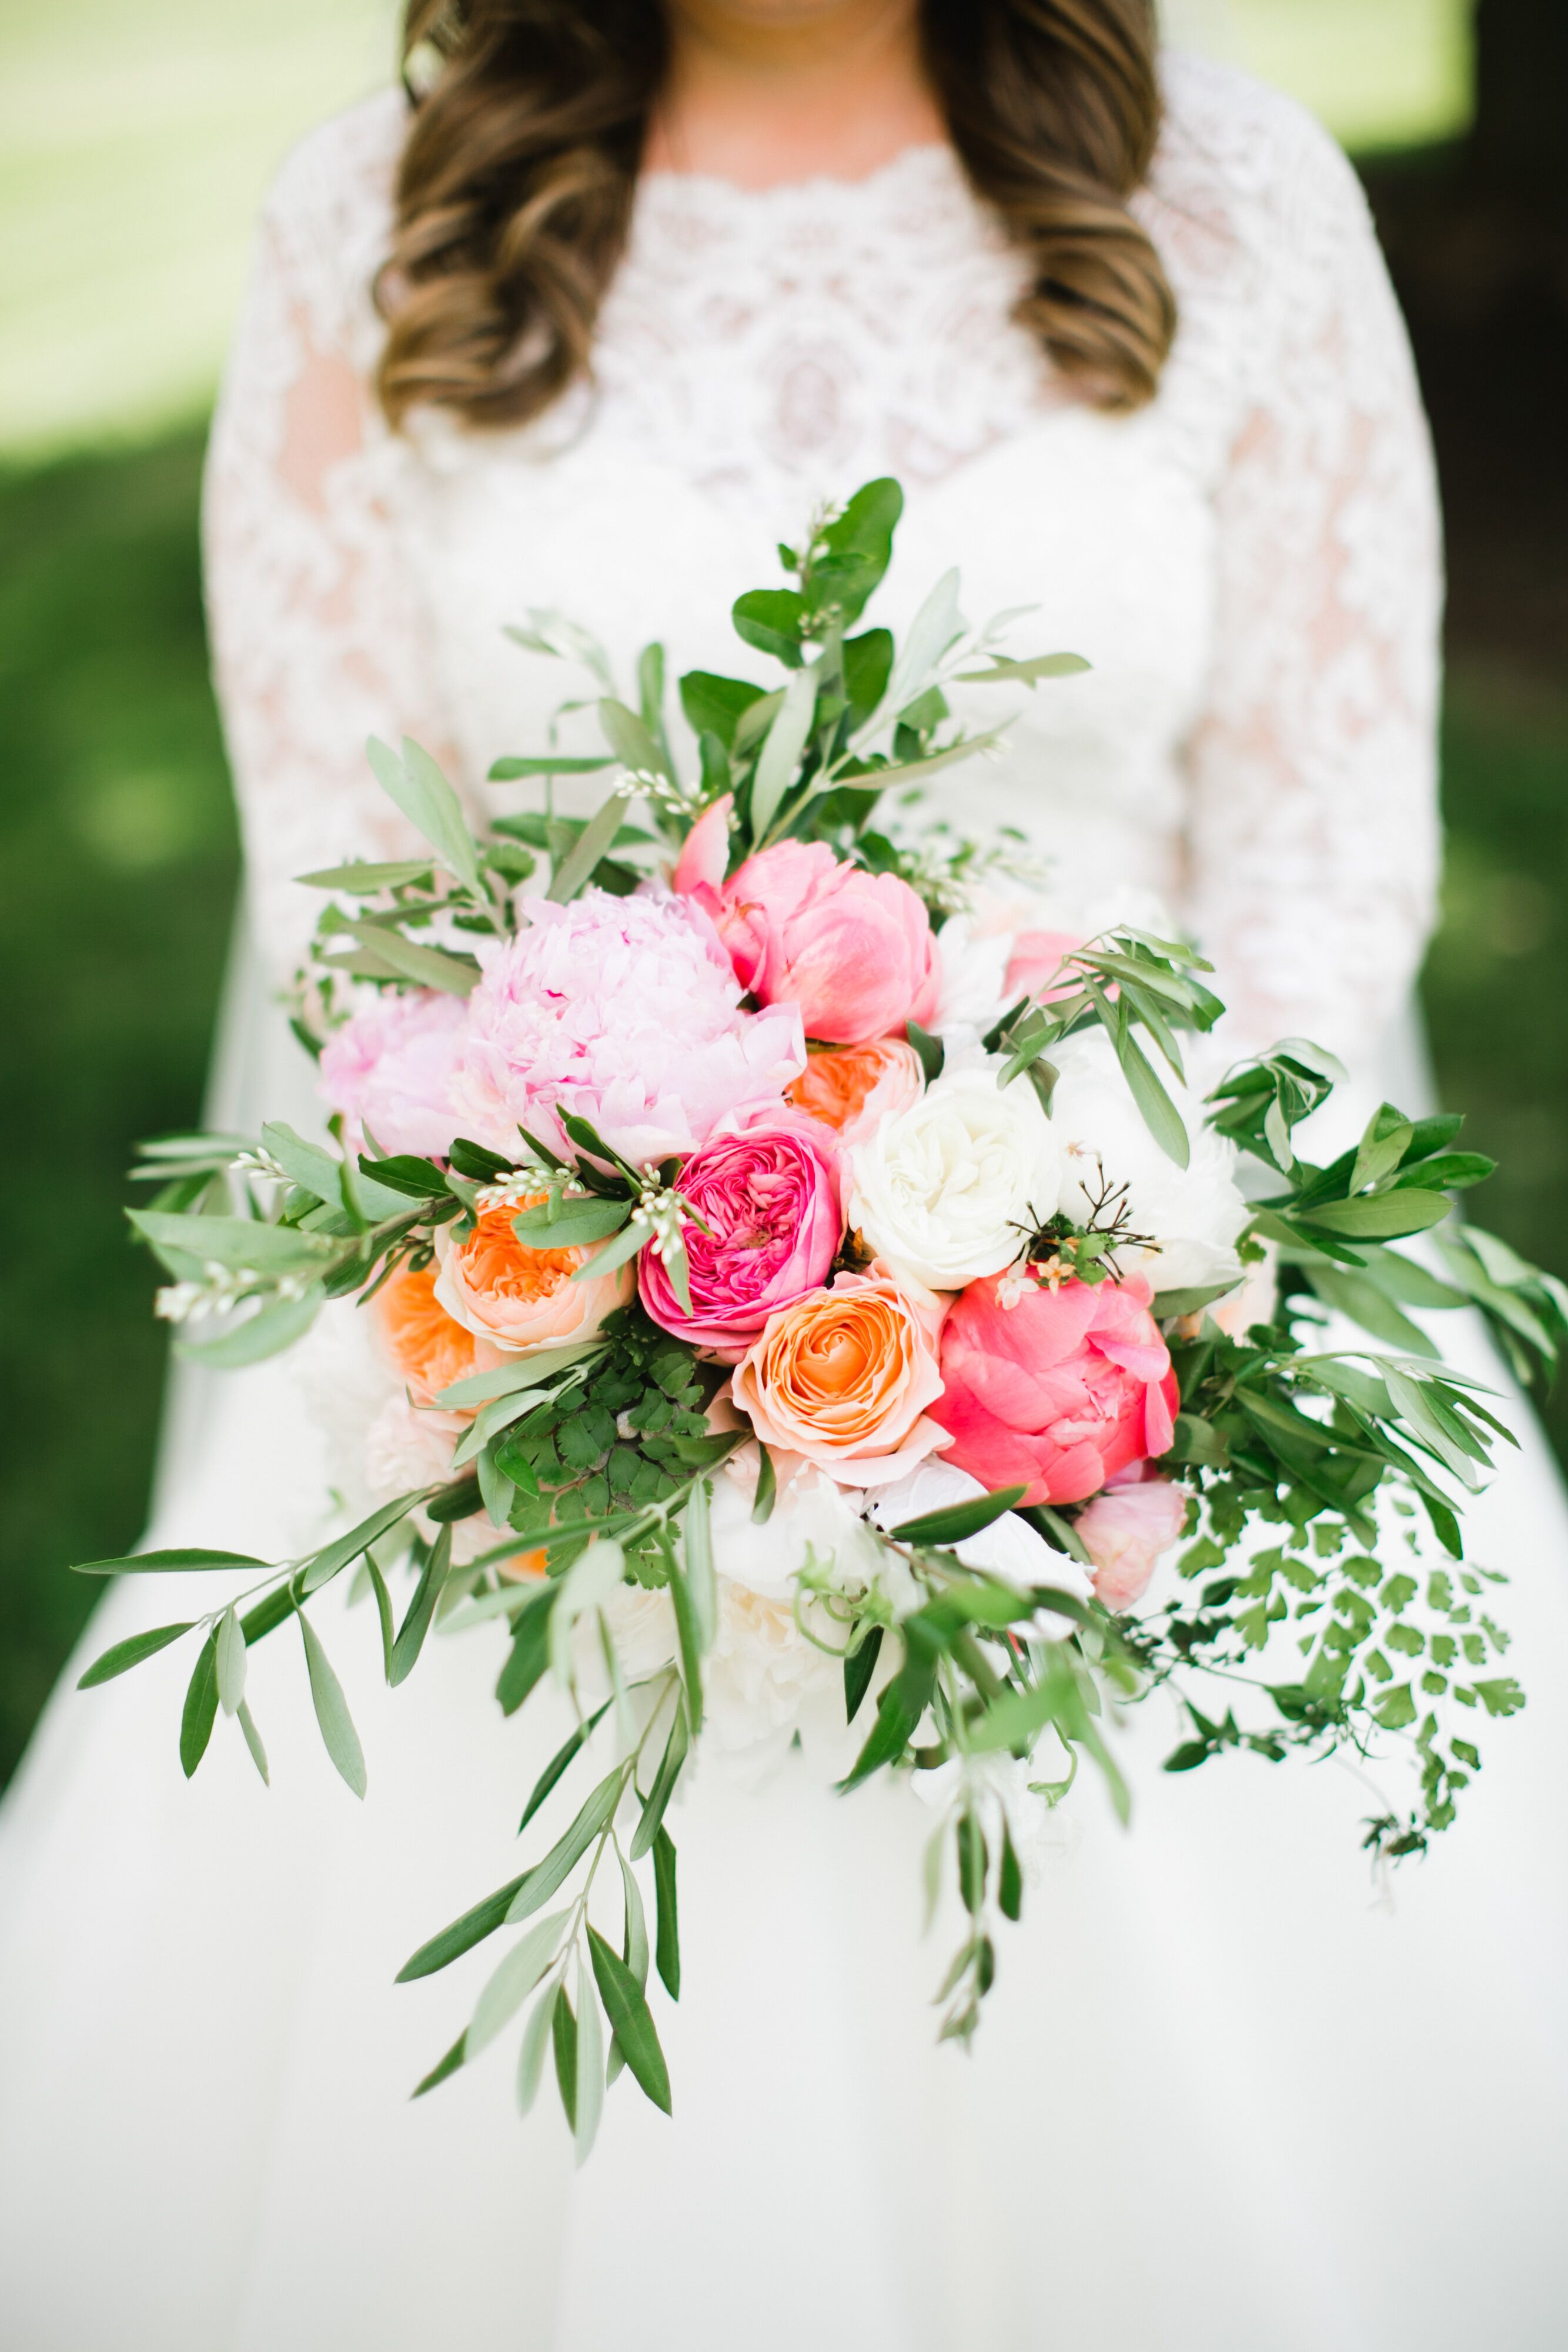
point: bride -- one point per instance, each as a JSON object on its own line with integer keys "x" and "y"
{"x": 584, "y": 327}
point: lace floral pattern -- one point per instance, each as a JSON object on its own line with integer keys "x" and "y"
{"x": 316, "y": 638}
{"x": 1254, "y": 560}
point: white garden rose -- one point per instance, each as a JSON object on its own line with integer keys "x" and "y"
{"x": 1009, "y": 1547}
{"x": 1195, "y": 1213}
{"x": 765, "y": 1682}
{"x": 813, "y": 1517}
{"x": 946, "y": 1191}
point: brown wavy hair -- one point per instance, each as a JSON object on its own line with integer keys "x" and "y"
{"x": 517, "y": 177}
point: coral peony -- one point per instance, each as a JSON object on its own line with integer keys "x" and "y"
{"x": 430, "y": 1349}
{"x": 626, "y": 1011}
{"x": 845, "y": 1377}
{"x": 1126, "y": 1527}
{"x": 1057, "y": 1391}
{"x": 852, "y": 1088}
{"x": 389, "y": 1070}
{"x": 520, "y": 1299}
{"x": 852, "y": 949}
{"x": 770, "y": 1197}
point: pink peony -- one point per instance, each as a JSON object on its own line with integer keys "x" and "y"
{"x": 852, "y": 949}
{"x": 626, "y": 1011}
{"x": 1126, "y": 1527}
{"x": 770, "y": 1194}
{"x": 1058, "y": 1392}
{"x": 390, "y": 1067}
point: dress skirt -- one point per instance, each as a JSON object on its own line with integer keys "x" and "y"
{"x": 1233, "y": 2091}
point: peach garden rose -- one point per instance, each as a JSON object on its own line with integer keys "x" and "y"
{"x": 522, "y": 1300}
{"x": 430, "y": 1348}
{"x": 845, "y": 1376}
{"x": 852, "y": 1088}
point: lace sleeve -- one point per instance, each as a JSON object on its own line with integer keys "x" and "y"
{"x": 1314, "y": 832}
{"x": 314, "y": 625}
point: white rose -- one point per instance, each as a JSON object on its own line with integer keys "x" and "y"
{"x": 641, "y": 1622}
{"x": 411, "y": 1445}
{"x": 1009, "y": 1547}
{"x": 408, "y": 1445}
{"x": 973, "y": 976}
{"x": 948, "y": 1190}
{"x": 811, "y": 1513}
{"x": 1194, "y": 1214}
{"x": 764, "y": 1682}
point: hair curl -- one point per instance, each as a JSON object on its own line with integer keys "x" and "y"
{"x": 517, "y": 177}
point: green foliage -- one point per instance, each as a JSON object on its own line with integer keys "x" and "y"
{"x": 1375, "y": 1650}
{"x": 1125, "y": 979}
{"x": 811, "y": 756}
{"x": 625, "y": 1435}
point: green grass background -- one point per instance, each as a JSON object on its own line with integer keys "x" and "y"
{"x": 118, "y": 859}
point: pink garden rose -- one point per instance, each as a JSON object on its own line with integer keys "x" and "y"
{"x": 390, "y": 1067}
{"x": 1058, "y": 1392}
{"x": 854, "y": 950}
{"x": 770, "y": 1194}
{"x": 625, "y": 1010}
{"x": 1126, "y": 1527}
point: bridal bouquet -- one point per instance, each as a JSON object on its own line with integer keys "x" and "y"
{"x": 813, "y": 1293}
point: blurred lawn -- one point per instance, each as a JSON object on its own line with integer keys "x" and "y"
{"x": 1497, "y": 977}
{"x": 1382, "y": 73}
{"x": 117, "y": 877}
{"x": 116, "y": 880}
{"x": 134, "y": 146}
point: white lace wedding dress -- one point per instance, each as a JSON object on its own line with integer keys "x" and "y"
{"x": 1230, "y": 2094}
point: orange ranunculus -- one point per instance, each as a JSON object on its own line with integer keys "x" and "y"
{"x": 851, "y": 1087}
{"x": 845, "y": 1378}
{"x": 430, "y": 1349}
{"x": 521, "y": 1300}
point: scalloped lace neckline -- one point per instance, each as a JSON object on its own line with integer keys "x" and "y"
{"x": 932, "y": 162}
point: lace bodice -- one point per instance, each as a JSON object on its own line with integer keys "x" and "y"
{"x": 1251, "y": 564}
